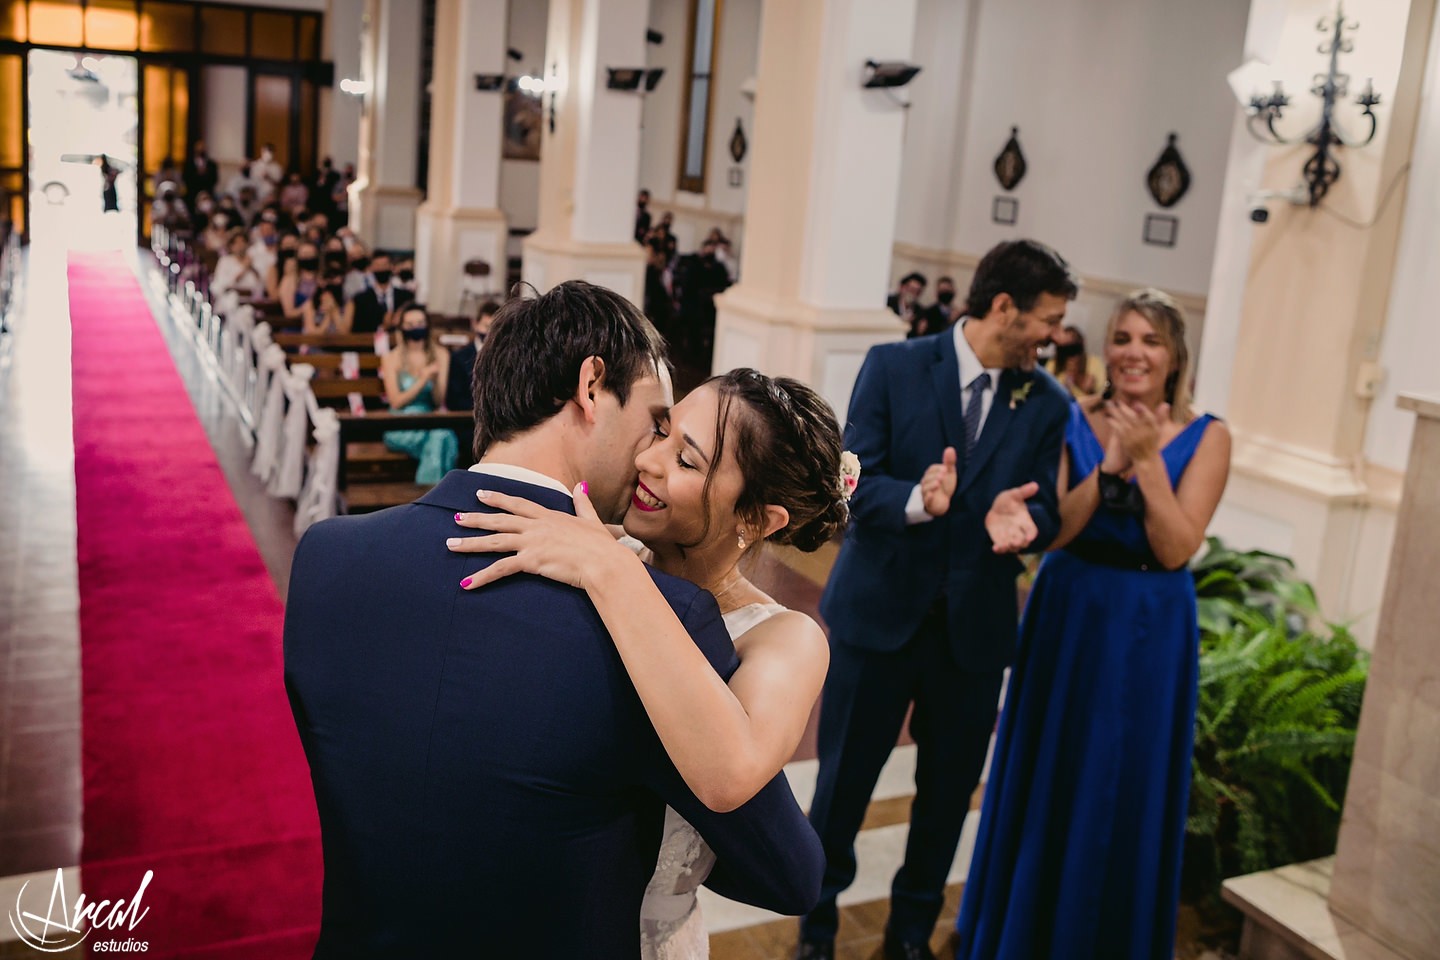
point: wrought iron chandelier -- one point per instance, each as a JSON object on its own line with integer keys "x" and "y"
{"x": 1322, "y": 169}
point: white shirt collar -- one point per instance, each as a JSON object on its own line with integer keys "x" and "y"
{"x": 508, "y": 471}
{"x": 970, "y": 366}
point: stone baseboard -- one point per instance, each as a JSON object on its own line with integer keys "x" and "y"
{"x": 1288, "y": 917}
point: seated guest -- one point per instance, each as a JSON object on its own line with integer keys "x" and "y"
{"x": 905, "y": 302}
{"x": 357, "y": 267}
{"x": 239, "y": 182}
{"x": 235, "y": 271}
{"x": 322, "y": 313}
{"x": 264, "y": 239}
{"x": 405, "y": 276}
{"x": 1081, "y": 373}
{"x": 169, "y": 210}
{"x": 340, "y": 196}
{"x": 370, "y": 308}
{"x": 247, "y": 202}
{"x": 415, "y": 378}
{"x": 216, "y": 237}
{"x": 294, "y": 193}
{"x": 202, "y": 207}
{"x": 335, "y": 263}
{"x": 461, "y": 390}
{"x": 942, "y": 314}
{"x": 169, "y": 173}
{"x": 284, "y": 253}
{"x": 301, "y": 280}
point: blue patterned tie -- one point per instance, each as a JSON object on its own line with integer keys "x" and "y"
{"x": 973, "y": 407}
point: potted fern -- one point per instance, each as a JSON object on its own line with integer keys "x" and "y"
{"x": 1279, "y": 702}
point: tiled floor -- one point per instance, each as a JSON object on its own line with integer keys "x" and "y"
{"x": 40, "y": 789}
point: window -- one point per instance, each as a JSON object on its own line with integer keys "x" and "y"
{"x": 695, "y": 112}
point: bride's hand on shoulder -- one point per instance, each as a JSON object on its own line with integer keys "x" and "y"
{"x": 573, "y": 550}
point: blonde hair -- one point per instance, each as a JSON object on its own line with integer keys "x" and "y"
{"x": 1168, "y": 319}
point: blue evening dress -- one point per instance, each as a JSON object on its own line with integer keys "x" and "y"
{"x": 437, "y": 450}
{"x": 1081, "y": 831}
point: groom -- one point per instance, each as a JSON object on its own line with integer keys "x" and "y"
{"x": 959, "y": 439}
{"x": 487, "y": 780}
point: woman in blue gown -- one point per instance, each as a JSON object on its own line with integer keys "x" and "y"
{"x": 1078, "y": 853}
{"x": 416, "y": 375}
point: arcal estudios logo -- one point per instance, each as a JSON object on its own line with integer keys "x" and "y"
{"x": 62, "y": 927}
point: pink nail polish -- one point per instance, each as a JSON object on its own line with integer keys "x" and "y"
{"x": 459, "y": 517}
{"x": 466, "y": 582}
{"x": 585, "y": 487}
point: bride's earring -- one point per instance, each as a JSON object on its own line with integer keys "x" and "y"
{"x": 740, "y": 540}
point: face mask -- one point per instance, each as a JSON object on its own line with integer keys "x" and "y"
{"x": 946, "y": 297}
{"x": 406, "y": 275}
{"x": 271, "y": 240}
{"x": 416, "y": 333}
{"x": 360, "y": 263}
{"x": 336, "y": 262}
{"x": 1063, "y": 353}
{"x": 308, "y": 263}
{"x": 284, "y": 256}
{"x": 382, "y": 277}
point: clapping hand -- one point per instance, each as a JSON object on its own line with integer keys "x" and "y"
{"x": 1009, "y": 524}
{"x": 938, "y": 484}
{"x": 1138, "y": 429}
{"x": 547, "y": 543}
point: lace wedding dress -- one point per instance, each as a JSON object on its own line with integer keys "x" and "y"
{"x": 671, "y": 926}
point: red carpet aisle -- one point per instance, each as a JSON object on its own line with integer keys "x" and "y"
{"x": 192, "y": 766}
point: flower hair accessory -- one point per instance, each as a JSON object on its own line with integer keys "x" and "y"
{"x": 849, "y": 474}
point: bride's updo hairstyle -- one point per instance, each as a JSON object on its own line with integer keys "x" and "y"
{"x": 787, "y": 444}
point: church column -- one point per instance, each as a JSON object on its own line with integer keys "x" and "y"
{"x": 590, "y": 150}
{"x": 384, "y": 196}
{"x": 1293, "y": 364}
{"x": 824, "y": 191}
{"x": 460, "y": 219}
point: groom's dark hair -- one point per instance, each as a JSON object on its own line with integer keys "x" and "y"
{"x": 528, "y": 369}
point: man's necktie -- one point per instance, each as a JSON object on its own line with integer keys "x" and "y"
{"x": 973, "y": 408}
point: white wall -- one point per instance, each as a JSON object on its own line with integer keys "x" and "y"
{"x": 737, "y": 51}
{"x": 520, "y": 179}
{"x": 339, "y": 111}
{"x": 1410, "y": 345}
{"x": 736, "y": 58}
{"x": 660, "y": 123}
{"x": 935, "y": 123}
{"x": 1095, "y": 86}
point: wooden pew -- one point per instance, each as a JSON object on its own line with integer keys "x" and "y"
{"x": 357, "y": 342}
{"x": 381, "y": 477}
{"x": 328, "y": 364}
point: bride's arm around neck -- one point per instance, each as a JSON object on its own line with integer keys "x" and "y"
{"x": 726, "y": 741}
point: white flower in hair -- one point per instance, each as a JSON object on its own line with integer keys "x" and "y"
{"x": 849, "y": 473}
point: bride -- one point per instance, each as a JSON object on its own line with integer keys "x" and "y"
{"x": 742, "y": 460}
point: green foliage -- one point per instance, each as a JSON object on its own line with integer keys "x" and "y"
{"x": 1275, "y": 723}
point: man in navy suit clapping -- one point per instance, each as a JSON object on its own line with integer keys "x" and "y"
{"x": 958, "y": 436}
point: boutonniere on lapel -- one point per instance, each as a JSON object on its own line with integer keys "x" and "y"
{"x": 1020, "y": 394}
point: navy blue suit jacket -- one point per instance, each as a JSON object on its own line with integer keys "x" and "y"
{"x": 905, "y": 410}
{"x": 487, "y": 780}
